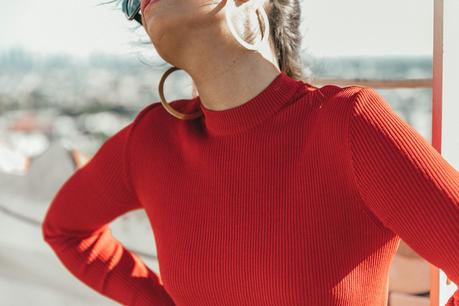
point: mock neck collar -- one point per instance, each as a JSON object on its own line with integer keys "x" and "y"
{"x": 260, "y": 107}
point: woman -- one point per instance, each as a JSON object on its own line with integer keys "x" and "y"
{"x": 261, "y": 190}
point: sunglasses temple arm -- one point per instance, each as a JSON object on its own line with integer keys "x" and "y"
{"x": 138, "y": 18}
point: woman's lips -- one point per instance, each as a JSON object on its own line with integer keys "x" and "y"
{"x": 145, "y": 3}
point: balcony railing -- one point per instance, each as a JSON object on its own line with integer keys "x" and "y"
{"x": 374, "y": 83}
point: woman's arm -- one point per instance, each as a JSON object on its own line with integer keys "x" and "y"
{"x": 405, "y": 183}
{"x": 76, "y": 228}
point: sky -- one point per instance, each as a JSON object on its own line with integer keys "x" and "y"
{"x": 329, "y": 27}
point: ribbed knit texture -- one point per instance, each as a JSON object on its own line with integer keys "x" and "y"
{"x": 299, "y": 196}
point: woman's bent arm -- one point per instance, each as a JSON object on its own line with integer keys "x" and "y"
{"x": 76, "y": 228}
{"x": 405, "y": 183}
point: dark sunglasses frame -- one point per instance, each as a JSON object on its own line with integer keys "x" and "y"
{"x": 131, "y": 9}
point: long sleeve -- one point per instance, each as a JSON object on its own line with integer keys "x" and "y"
{"x": 405, "y": 183}
{"x": 76, "y": 228}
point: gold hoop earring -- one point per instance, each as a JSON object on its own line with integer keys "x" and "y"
{"x": 167, "y": 106}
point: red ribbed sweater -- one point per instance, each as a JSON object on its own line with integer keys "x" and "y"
{"x": 297, "y": 197}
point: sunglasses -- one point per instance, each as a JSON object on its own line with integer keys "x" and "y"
{"x": 131, "y": 9}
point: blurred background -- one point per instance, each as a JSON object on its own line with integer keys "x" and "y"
{"x": 72, "y": 73}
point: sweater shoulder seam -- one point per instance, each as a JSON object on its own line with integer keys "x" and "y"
{"x": 354, "y": 98}
{"x": 126, "y": 153}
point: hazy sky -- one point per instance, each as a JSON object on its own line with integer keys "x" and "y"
{"x": 330, "y": 27}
